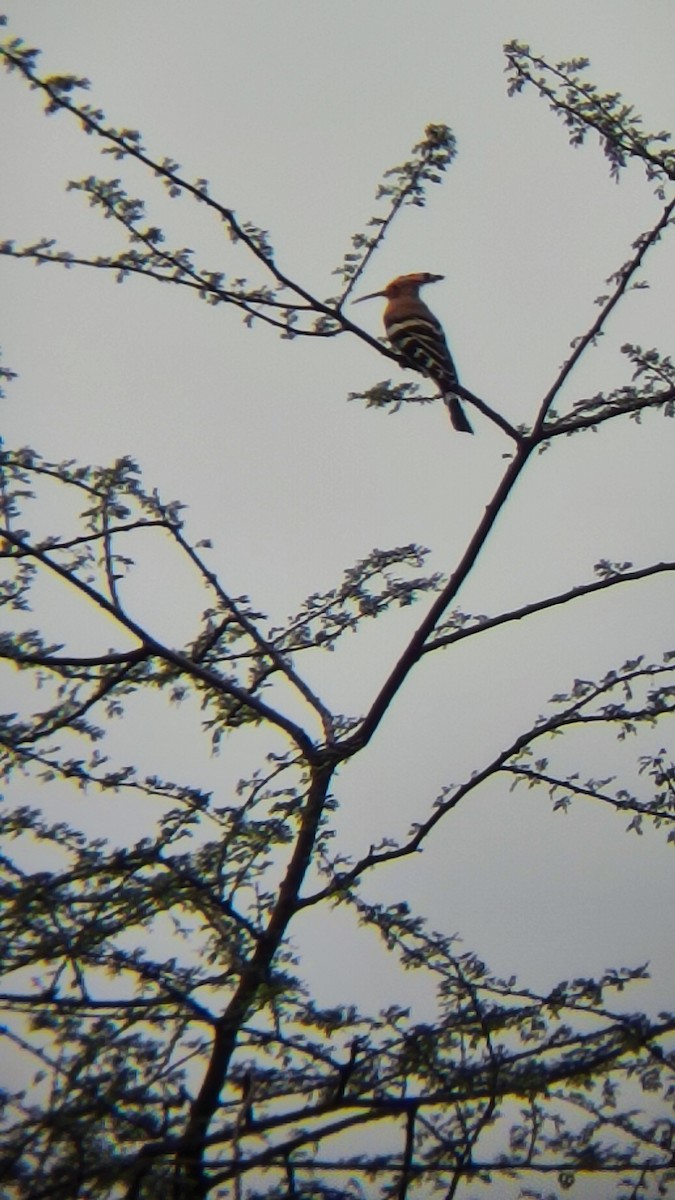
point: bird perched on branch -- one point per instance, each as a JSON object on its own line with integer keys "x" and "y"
{"x": 416, "y": 334}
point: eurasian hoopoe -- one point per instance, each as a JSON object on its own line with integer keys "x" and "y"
{"x": 418, "y": 337}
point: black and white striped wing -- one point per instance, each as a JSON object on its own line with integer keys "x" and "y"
{"x": 421, "y": 342}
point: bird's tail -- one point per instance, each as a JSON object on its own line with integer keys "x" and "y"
{"x": 458, "y": 417}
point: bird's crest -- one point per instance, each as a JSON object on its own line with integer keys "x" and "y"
{"x": 404, "y": 285}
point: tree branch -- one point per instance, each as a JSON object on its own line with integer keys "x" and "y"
{"x": 189, "y": 667}
{"x": 536, "y": 606}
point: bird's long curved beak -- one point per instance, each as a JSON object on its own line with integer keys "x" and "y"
{"x": 370, "y": 296}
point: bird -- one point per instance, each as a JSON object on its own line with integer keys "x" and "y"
{"x": 418, "y": 336}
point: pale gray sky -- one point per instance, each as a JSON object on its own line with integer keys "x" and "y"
{"x": 293, "y": 111}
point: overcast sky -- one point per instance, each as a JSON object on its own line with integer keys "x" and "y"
{"x": 292, "y": 112}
